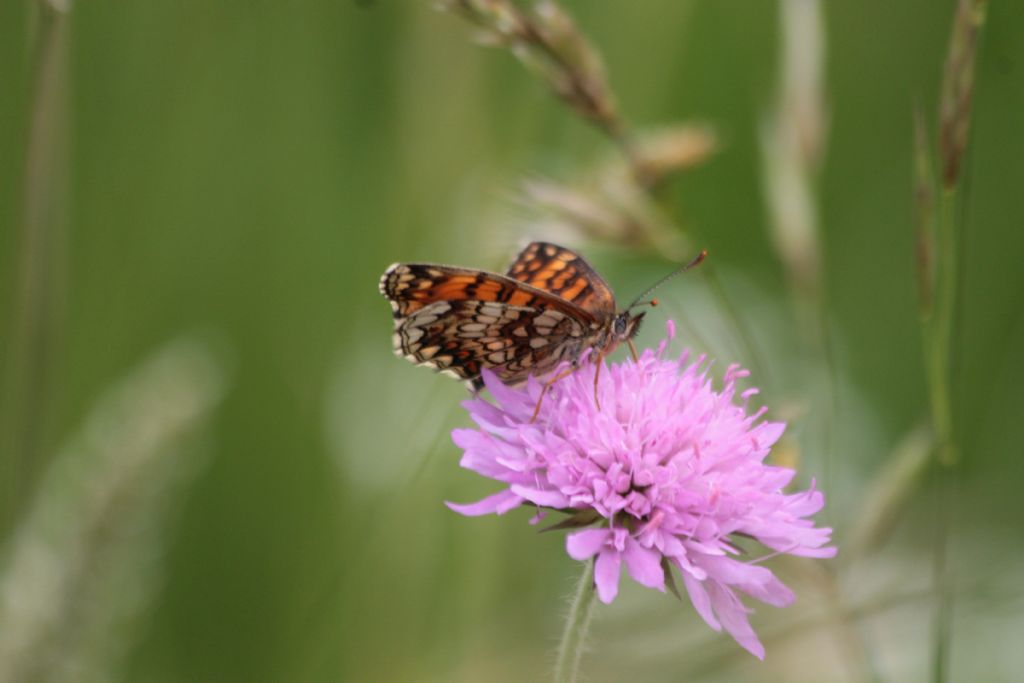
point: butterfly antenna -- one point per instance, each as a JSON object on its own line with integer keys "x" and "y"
{"x": 639, "y": 301}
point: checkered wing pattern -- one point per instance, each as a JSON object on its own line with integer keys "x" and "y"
{"x": 460, "y": 321}
{"x": 565, "y": 274}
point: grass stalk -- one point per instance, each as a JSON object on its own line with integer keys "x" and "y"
{"x": 793, "y": 138}
{"x": 942, "y": 629}
{"x": 940, "y": 335}
{"x": 24, "y": 403}
{"x": 955, "y": 104}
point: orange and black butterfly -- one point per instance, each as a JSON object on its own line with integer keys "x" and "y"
{"x": 550, "y": 307}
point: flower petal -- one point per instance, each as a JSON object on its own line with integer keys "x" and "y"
{"x": 583, "y": 545}
{"x": 542, "y": 497}
{"x": 606, "y": 575}
{"x": 701, "y": 600}
{"x": 767, "y": 433}
{"x": 499, "y": 503}
{"x": 644, "y": 565}
{"x": 734, "y": 618}
{"x": 756, "y": 581}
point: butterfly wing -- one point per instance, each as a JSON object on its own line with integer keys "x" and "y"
{"x": 565, "y": 274}
{"x": 412, "y": 286}
{"x": 460, "y": 321}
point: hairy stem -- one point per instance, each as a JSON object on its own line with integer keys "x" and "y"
{"x": 574, "y": 637}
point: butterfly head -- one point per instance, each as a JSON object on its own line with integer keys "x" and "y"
{"x": 626, "y": 325}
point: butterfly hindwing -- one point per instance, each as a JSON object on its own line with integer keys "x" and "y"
{"x": 462, "y": 337}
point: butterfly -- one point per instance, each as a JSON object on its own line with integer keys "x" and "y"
{"x": 548, "y": 309}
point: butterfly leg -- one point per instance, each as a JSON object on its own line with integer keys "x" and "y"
{"x": 632, "y": 350}
{"x": 547, "y": 385}
{"x": 597, "y": 373}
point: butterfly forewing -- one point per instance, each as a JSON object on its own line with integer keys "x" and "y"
{"x": 565, "y": 274}
{"x": 411, "y": 286}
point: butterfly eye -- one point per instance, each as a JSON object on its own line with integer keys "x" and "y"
{"x": 620, "y": 325}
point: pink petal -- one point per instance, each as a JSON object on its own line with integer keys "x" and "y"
{"x": 606, "y": 575}
{"x": 644, "y": 565}
{"x": 734, "y": 618}
{"x": 701, "y": 601}
{"x": 804, "y": 551}
{"x": 470, "y": 438}
{"x": 583, "y": 545}
{"x": 776, "y": 477}
{"x": 483, "y": 463}
{"x": 767, "y": 433}
{"x": 499, "y": 503}
{"x": 682, "y": 560}
{"x": 728, "y": 570}
{"x": 507, "y": 398}
{"x": 772, "y": 592}
{"x": 545, "y": 498}
{"x": 756, "y": 581}
{"x": 486, "y": 412}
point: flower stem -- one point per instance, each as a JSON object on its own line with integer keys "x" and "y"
{"x": 574, "y": 637}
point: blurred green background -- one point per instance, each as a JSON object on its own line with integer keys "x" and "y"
{"x": 243, "y": 172}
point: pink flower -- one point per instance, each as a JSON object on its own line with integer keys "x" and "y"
{"x": 669, "y": 469}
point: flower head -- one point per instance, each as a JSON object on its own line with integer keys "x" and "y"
{"x": 669, "y": 469}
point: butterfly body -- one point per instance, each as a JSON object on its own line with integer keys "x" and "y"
{"x": 549, "y": 308}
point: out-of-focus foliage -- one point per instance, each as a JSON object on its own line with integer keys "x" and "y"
{"x": 250, "y": 169}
